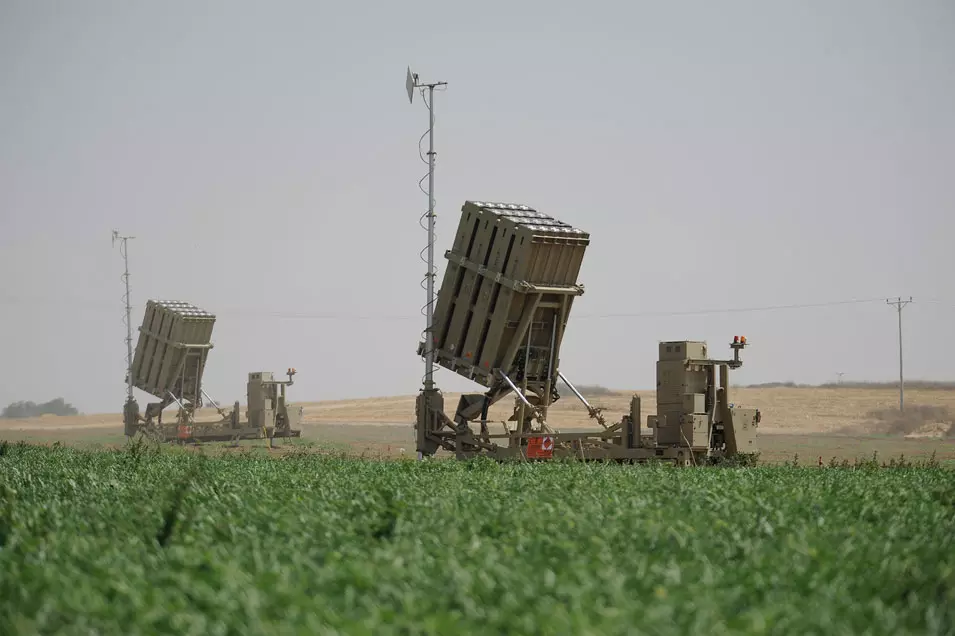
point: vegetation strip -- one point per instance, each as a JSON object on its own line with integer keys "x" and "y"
{"x": 145, "y": 540}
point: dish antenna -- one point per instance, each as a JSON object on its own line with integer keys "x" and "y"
{"x": 411, "y": 83}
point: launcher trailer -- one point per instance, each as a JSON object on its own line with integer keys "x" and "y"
{"x": 499, "y": 320}
{"x": 174, "y": 343}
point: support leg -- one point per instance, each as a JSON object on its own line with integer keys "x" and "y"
{"x": 428, "y": 407}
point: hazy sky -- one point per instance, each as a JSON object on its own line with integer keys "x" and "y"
{"x": 724, "y": 155}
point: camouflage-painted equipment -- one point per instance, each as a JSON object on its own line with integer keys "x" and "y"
{"x": 509, "y": 285}
{"x": 174, "y": 342}
{"x": 692, "y": 400}
{"x": 500, "y": 319}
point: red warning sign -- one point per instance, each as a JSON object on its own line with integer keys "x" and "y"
{"x": 540, "y": 447}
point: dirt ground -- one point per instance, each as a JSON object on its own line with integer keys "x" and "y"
{"x": 808, "y": 422}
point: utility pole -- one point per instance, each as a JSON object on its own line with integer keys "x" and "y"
{"x": 900, "y": 304}
{"x": 129, "y": 325}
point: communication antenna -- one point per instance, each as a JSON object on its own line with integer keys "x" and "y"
{"x": 411, "y": 83}
{"x": 129, "y": 325}
{"x": 899, "y": 305}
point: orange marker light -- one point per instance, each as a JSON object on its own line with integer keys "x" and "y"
{"x": 742, "y": 339}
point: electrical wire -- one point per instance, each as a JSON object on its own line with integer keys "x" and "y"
{"x": 239, "y": 312}
{"x": 730, "y": 310}
{"x": 936, "y": 301}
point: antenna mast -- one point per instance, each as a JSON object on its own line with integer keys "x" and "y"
{"x": 412, "y": 83}
{"x": 123, "y": 249}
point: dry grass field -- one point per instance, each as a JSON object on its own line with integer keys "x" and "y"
{"x": 845, "y": 423}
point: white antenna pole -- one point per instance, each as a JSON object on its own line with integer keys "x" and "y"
{"x": 900, "y": 304}
{"x": 412, "y": 83}
{"x": 123, "y": 249}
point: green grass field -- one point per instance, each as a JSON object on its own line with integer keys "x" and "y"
{"x": 141, "y": 541}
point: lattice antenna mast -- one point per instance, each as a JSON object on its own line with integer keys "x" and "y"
{"x": 123, "y": 249}
{"x": 411, "y": 83}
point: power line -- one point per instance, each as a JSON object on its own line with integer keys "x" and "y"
{"x": 938, "y": 301}
{"x": 305, "y": 315}
{"x": 730, "y": 310}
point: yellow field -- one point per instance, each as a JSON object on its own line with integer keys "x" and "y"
{"x": 810, "y": 422}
